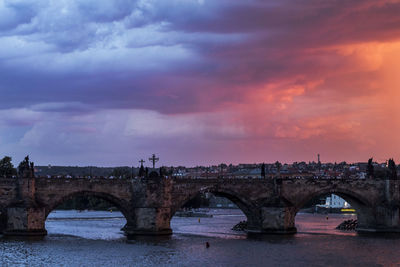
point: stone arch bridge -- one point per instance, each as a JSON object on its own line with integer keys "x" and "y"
{"x": 149, "y": 204}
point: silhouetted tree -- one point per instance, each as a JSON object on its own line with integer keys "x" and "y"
{"x": 86, "y": 202}
{"x": 198, "y": 201}
{"x": 392, "y": 169}
{"x": 370, "y": 168}
{"x": 6, "y": 167}
{"x": 263, "y": 170}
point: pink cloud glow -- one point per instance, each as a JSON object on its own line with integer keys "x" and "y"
{"x": 200, "y": 82}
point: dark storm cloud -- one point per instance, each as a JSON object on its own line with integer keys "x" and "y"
{"x": 230, "y": 46}
{"x": 94, "y": 78}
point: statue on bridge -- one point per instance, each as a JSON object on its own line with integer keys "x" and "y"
{"x": 154, "y": 159}
{"x": 26, "y": 168}
{"x": 141, "y": 169}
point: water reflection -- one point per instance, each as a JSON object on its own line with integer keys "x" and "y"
{"x": 97, "y": 240}
{"x": 323, "y": 224}
{"x": 87, "y": 224}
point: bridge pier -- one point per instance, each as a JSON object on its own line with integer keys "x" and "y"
{"x": 3, "y": 221}
{"x": 149, "y": 221}
{"x": 380, "y": 219}
{"x": 25, "y": 221}
{"x": 273, "y": 220}
{"x": 24, "y": 216}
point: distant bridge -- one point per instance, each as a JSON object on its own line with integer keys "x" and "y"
{"x": 149, "y": 204}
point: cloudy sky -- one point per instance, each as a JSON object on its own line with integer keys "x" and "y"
{"x": 89, "y": 82}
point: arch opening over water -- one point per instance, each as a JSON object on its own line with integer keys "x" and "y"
{"x": 325, "y": 210}
{"x": 86, "y": 214}
{"x": 210, "y": 212}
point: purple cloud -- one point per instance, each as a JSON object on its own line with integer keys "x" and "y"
{"x": 73, "y": 72}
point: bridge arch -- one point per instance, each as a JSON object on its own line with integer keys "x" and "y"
{"x": 362, "y": 206}
{"x": 120, "y": 204}
{"x": 351, "y": 197}
{"x": 244, "y": 204}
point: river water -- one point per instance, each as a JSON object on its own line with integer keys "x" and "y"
{"x": 93, "y": 238}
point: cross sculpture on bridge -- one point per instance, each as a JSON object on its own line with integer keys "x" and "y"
{"x": 153, "y": 159}
{"x": 141, "y": 162}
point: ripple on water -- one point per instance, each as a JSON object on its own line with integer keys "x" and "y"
{"x": 97, "y": 242}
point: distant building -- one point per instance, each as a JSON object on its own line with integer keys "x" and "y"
{"x": 248, "y": 173}
{"x": 334, "y": 201}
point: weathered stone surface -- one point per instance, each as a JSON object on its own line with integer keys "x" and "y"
{"x": 149, "y": 221}
{"x": 149, "y": 204}
{"x": 276, "y": 220}
{"x": 25, "y": 221}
